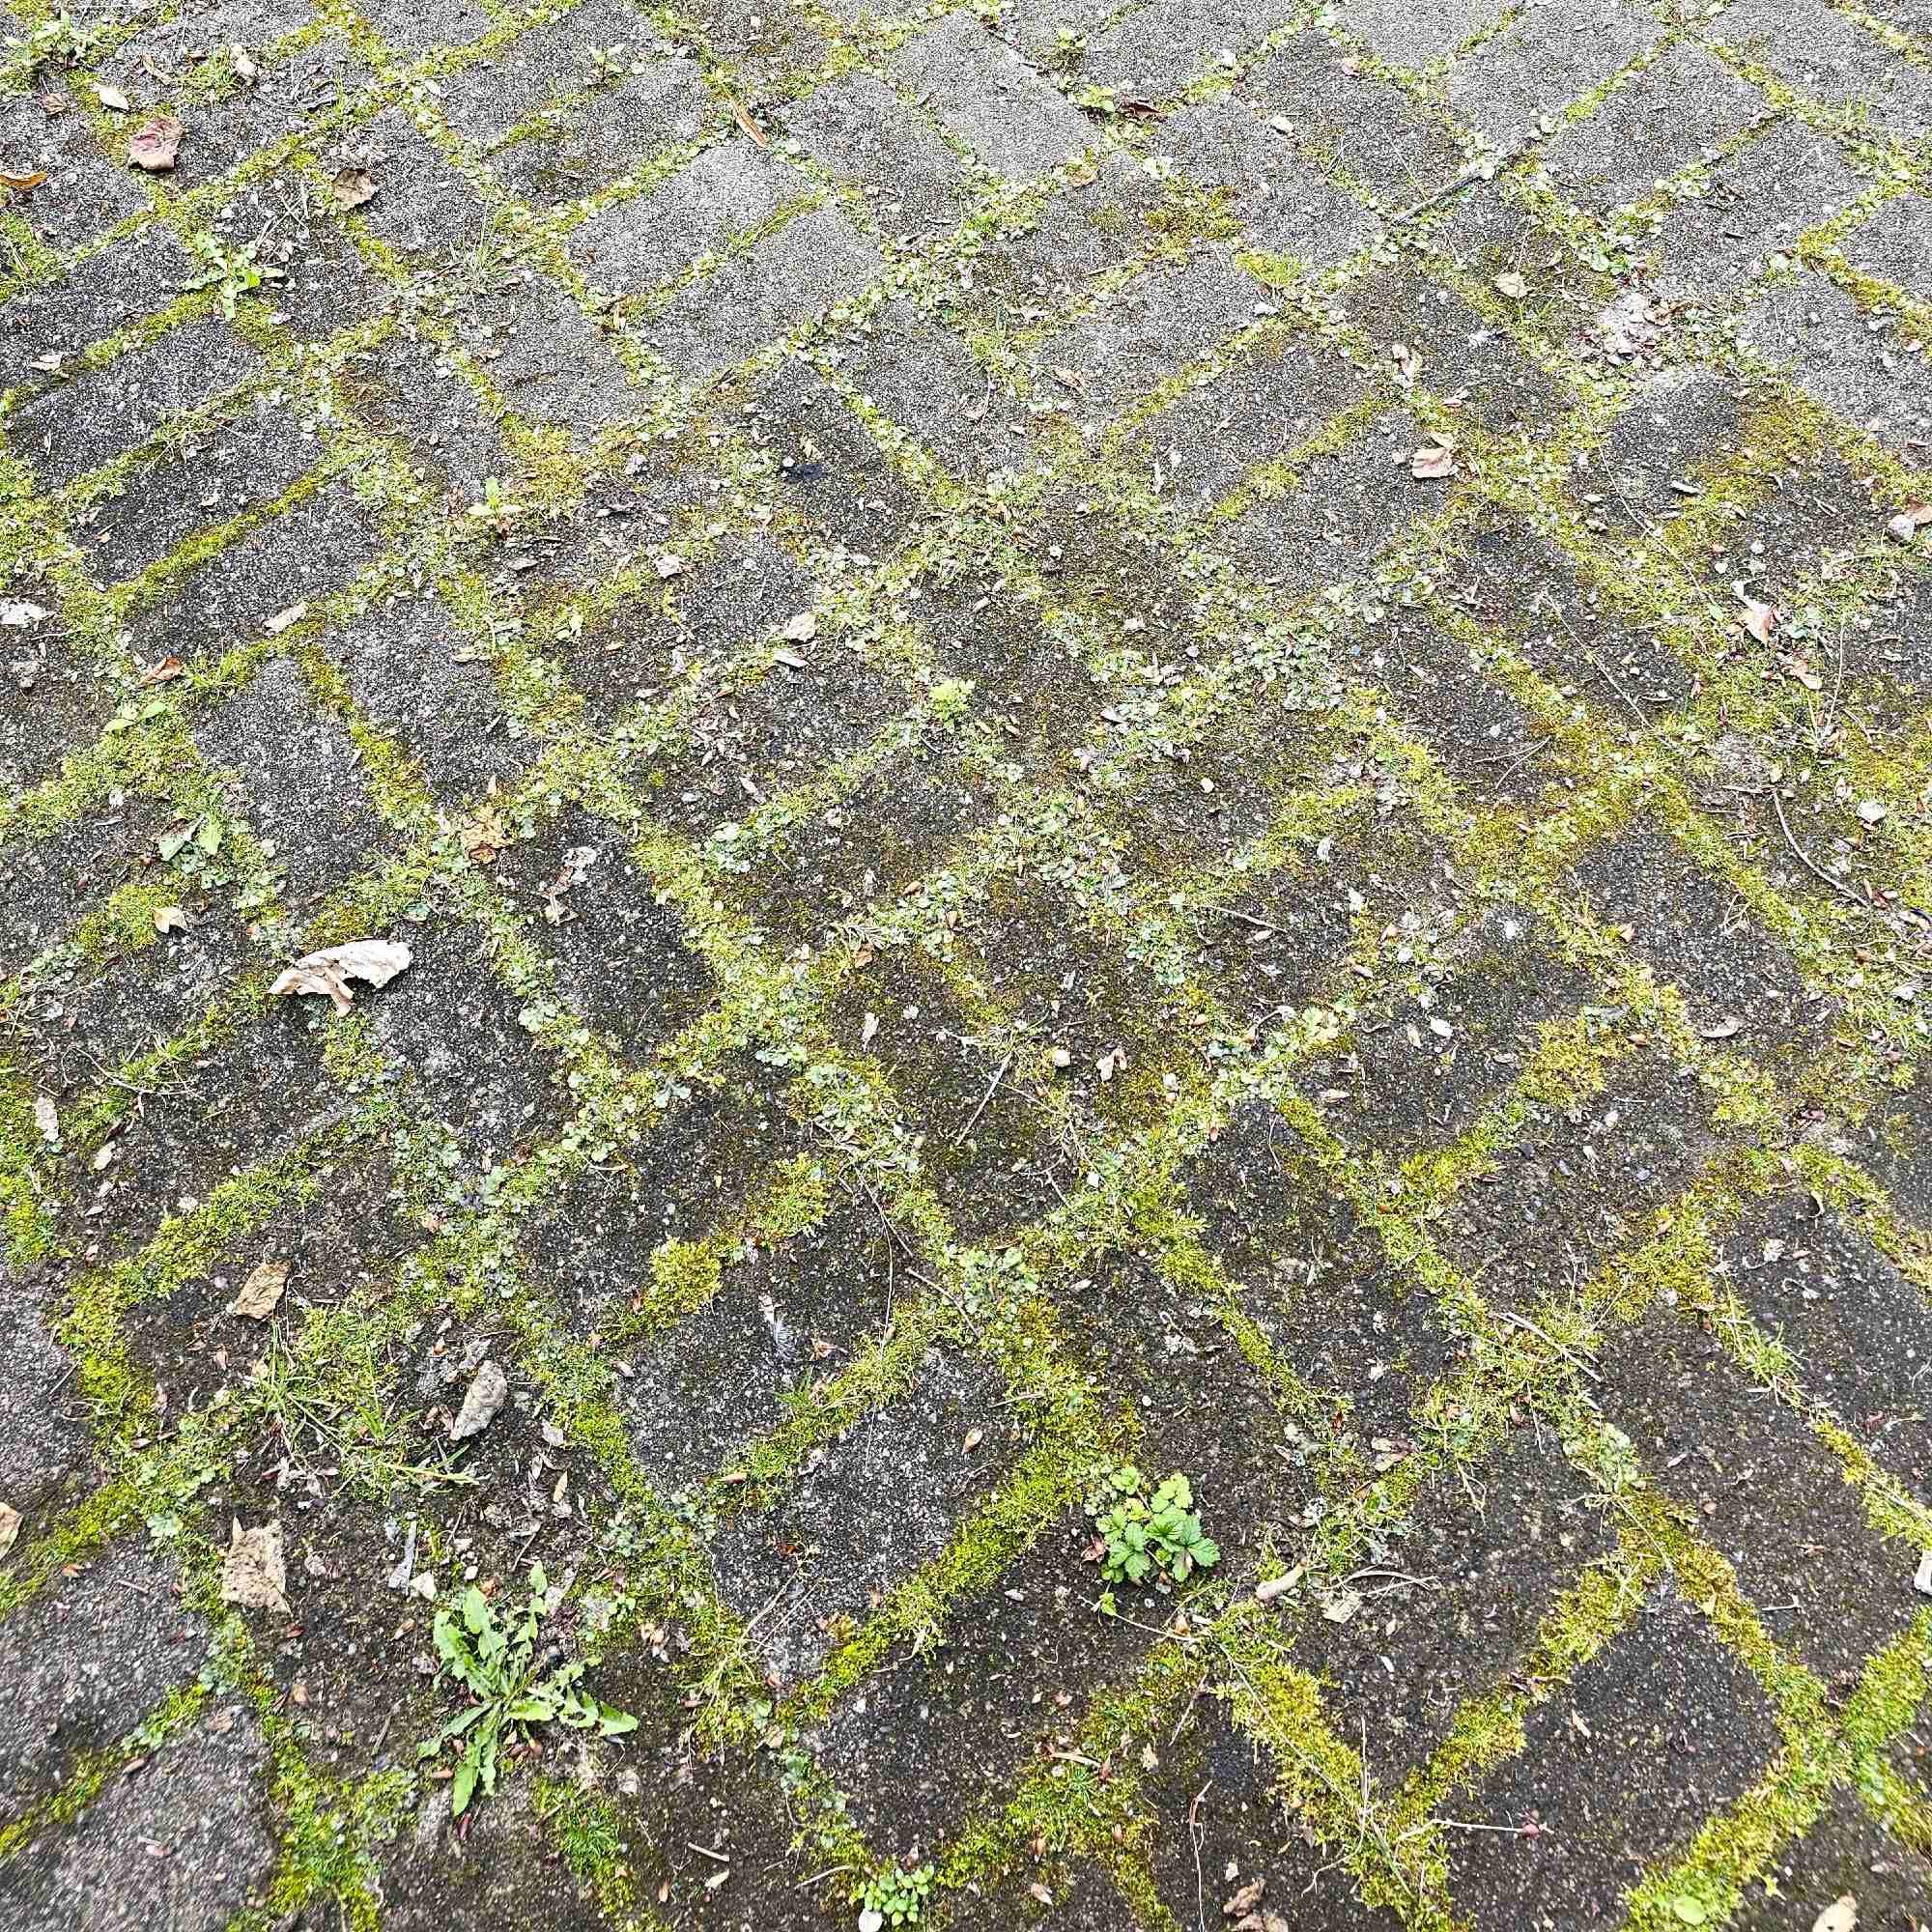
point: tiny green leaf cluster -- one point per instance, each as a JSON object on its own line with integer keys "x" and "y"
{"x": 1156, "y": 1538}
{"x": 895, "y": 1896}
{"x": 501, "y": 1669}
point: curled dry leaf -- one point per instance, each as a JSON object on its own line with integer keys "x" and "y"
{"x": 1276, "y": 1587}
{"x": 10, "y": 1527}
{"x": 352, "y": 187}
{"x": 1432, "y": 459}
{"x": 489, "y": 1388}
{"x": 21, "y": 181}
{"x": 155, "y": 143}
{"x": 377, "y": 961}
{"x": 262, "y": 1292}
{"x": 750, "y": 126}
{"x": 1511, "y": 285}
{"x": 671, "y": 565}
{"x": 169, "y": 668}
{"x": 483, "y": 835}
{"x": 803, "y": 628}
{"x": 1841, "y": 1916}
{"x": 252, "y": 1573}
{"x": 282, "y": 619}
{"x": 1910, "y": 521}
{"x": 170, "y": 919}
{"x": 1759, "y": 619}
{"x": 111, "y": 98}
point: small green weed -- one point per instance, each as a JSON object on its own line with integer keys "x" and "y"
{"x": 61, "y": 41}
{"x": 231, "y": 274}
{"x": 503, "y": 1672}
{"x": 892, "y": 1897}
{"x": 1152, "y": 1539}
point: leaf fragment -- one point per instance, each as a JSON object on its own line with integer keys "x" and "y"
{"x": 155, "y": 143}
{"x": 262, "y": 1292}
{"x": 1841, "y": 1916}
{"x": 489, "y": 1388}
{"x": 1511, "y": 285}
{"x": 22, "y": 182}
{"x": 11, "y": 1520}
{"x": 1759, "y": 619}
{"x": 744, "y": 120}
{"x": 377, "y": 961}
{"x": 282, "y": 619}
{"x": 352, "y": 187}
{"x": 111, "y": 98}
{"x": 253, "y": 1575}
{"x": 1434, "y": 459}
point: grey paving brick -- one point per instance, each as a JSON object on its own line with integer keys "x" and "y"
{"x": 1544, "y": 60}
{"x": 1661, "y": 120}
{"x": 1016, "y": 122}
{"x": 1823, "y": 54}
{"x": 1849, "y": 361}
{"x": 78, "y": 425}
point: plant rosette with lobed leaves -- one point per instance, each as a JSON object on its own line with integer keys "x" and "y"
{"x": 502, "y": 1670}
{"x": 1152, "y": 1541}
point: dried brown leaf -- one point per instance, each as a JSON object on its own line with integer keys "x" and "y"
{"x": 20, "y": 183}
{"x": 11, "y": 1520}
{"x": 1431, "y": 461}
{"x": 253, "y": 1575}
{"x": 352, "y": 187}
{"x": 1759, "y": 619}
{"x": 488, "y": 1390}
{"x": 750, "y": 126}
{"x": 262, "y": 1292}
{"x": 377, "y": 961}
{"x": 155, "y": 143}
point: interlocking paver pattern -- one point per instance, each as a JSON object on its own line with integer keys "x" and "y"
{"x": 1159, "y": 732}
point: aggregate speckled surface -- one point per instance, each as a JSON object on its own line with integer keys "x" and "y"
{"x": 1160, "y": 732}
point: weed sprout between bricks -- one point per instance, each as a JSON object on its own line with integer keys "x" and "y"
{"x": 503, "y": 1672}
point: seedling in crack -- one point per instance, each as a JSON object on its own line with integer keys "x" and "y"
{"x": 503, "y": 1672}
{"x": 498, "y": 508}
{"x": 231, "y": 274}
{"x": 1141, "y": 1539}
{"x": 894, "y": 1896}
